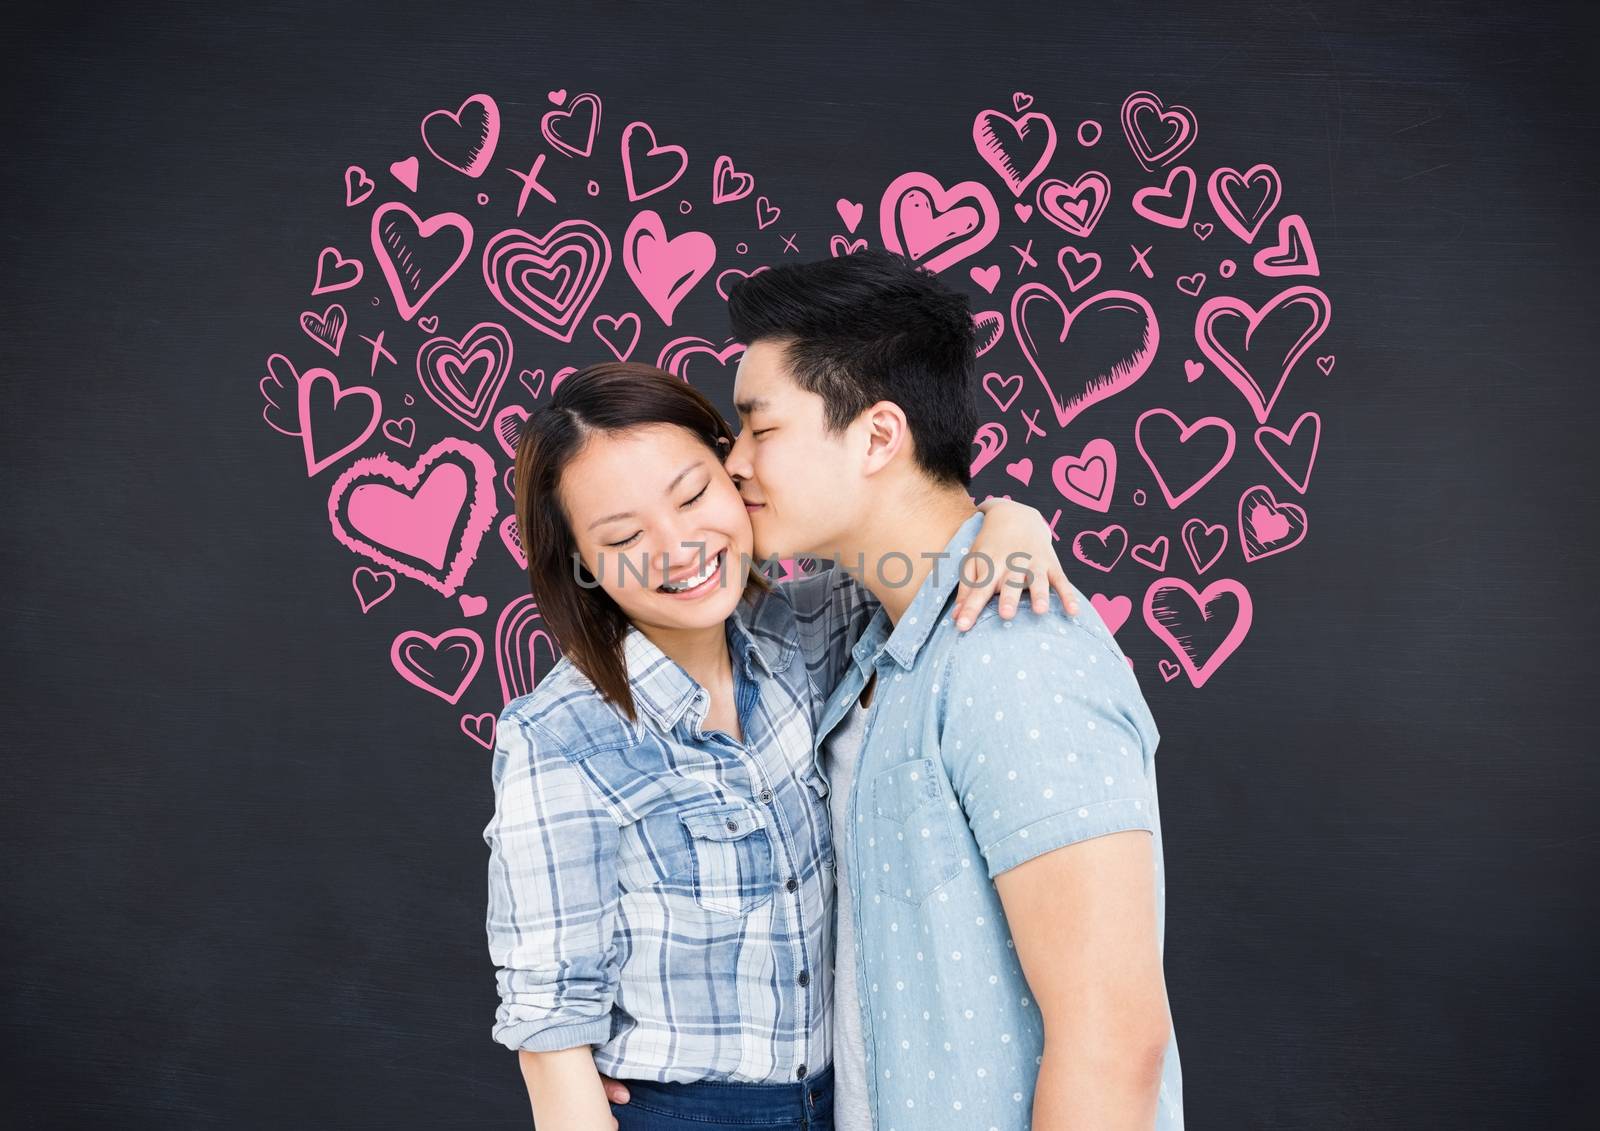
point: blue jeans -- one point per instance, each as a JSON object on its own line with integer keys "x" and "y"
{"x": 802, "y": 1106}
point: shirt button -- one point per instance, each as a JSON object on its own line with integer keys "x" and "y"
{"x": 766, "y": 796}
{"x": 792, "y": 884}
{"x": 800, "y": 1073}
{"x": 733, "y": 826}
{"x": 805, "y": 978}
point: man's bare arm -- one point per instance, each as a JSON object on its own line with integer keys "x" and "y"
{"x": 1083, "y": 920}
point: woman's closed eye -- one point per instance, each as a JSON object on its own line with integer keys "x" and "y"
{"x": 687, "y": 503}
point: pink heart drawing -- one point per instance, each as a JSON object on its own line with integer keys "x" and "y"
{"x": 727, "y": 184}
{"x": 935, "y": 226}
{"x": 465, "y": 138}
{"x": 990, "y": 440}
{"x": 839, "y": 246}
{"x": 1021, "y": 470}
{"x": 767, "y": 213}
{"x": 648, "y": 163}
{"x": 508, "y": 425}
{"x": 371, "y": 586}
{"x": 1204, "y": 541}
{"x": 726, "y": 279}
{"x": 1124, "y": 332}
{"x": 1089, "y": 478}
{"x": 441, "y": 665}
{"x": 1016, "y": 148}
{"x": 986, "y": 277}
{"x": 1151, "y": 429}
{"x": 444, "y": 363}
{"x": 405, "y": 171}
{"x": 1115, "y": 611}
{"x": 402, "y": 431}
{"x": 1227, "y": 313}
{"x": 1101, "y": 549}
{"x": 1176, "y": 612}
{"x": 1170, "y": 204}
{"x": 850, "y": 212}
{"x": 1293, "y": 254}
{"x": 1157, "y": 134}
{"x": 357, "y": 186}
{"x": 1244, "y": 200}
{"x": 1152, "y": 554}
{"x": 1013, "y": 385}
{"x": 1075, "y": 208}
{"x": 321, "y": 411}
{"x": 548, "y": 281}
{"x": 480, "y": 728}
{"x": 991, "y": 326}
{"x": 1076, "y": 282}
{"x": 336, "y": 272}
{"x": 720, "y": 361}
{"x": 522, "y": 646}
{"x": 620, "y": 334}
{"x": 1279, "y": 447}
{"x": 585, "y": 111}
{"x": 326, "y": 329}
{"x": 665, "y": 270}
{"x": 424, "y": 521}
{"x": 426, "y": 248}
{"x": 1266, "y": 526}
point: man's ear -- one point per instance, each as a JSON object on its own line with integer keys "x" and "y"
{"x": 888, "y": 435}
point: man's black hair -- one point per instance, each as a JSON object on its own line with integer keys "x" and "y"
{"x": 872, "y": 326}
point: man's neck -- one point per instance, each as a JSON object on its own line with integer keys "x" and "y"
{"x": 900, "y": 532}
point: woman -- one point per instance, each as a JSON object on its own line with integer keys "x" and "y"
{"x": 661, "y": 872}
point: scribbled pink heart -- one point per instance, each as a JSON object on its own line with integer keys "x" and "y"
{"x": 1024, "y": 211}
{"x": 402, "y": 431}
{"x": 1077, "y": 207}
{"x": 647, "y": 166}
{"x": 990, "y": 440}
{"x": 990, "y": 324}
{"x": 1286, "y": 448}
{"x": 727, "y": 184}
{"x": 326, "y": 329}
{"x": 993, "y": 383}
{"x": 1100, "y": 549}
{"x": 1016, "y": 148}
{"x": 371, "y": 586}
{"x": 1192, "y": 369}
{"x": 430, "y": 251}
{"x": 1325, "y": 363}
{"x": 1088, "y": 478}
{"x": 508, "y": 425}
{"x": 1189, "y": 622}
{"x": 1298, "y": 306}
{"x": 767, "y": 213}
{"x": 585, "y": 113}
{"x": 522, "y": 647}
{"x": 1154, "y": 430}
{"x": 838, "y": 245}
{"x": 557, "y": 96}
{"x": 1293, "y": 254}
{"x": 1113, "y": 610}
{"x": 711, "y": 362}
{"x": 424, "y": 521}
{"x": 1244, "y": 200}
{"x": 1170, "y": 204}
{"x": 335, "y": 272}
{"x": 405, "y": 171}
{"x": 472, "y": 606}
{"x": 1156, "y": 133}
{"x": 1081, "y": 279}
{"x": 935, "y": 226}
{"x": 428, "y": 323}
{"x": 561, "y": 375}
{"x": 330, "y": 420}
{"x": 548, "y": 281}
{"x": 441, "y": 665}
{"x": 1191, "y": 284}
{"x": 1113, "y": 337}
{"x": 1169, "y": 670}
{"x": 357, "y": 186}
{"x": 464, "y": 138}
{"x": 1152, "y": 554}
{"x": 1266, "y": 526}
{"x": 620, "y": 334}
{"x": 533, "y": 381}
{"x": 511, "y": 538}
{"x": 1021, "y": 101}
{"x": 1204, "y": 229}
{"x": 986, "y": 277}
{"x": 1204, "y": 541}
{"x": 726, "y": 279}
{"x": 850, "y": 212}
{"x": 480, "y": 728}
{"x": 665, "y": 270}
{"x": 1021, "y": 470}
{"x": 449, "y": 371}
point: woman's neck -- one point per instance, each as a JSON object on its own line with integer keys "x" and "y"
{"x": 702, "y": 652}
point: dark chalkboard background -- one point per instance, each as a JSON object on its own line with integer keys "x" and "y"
{"x": 244, "y": 882}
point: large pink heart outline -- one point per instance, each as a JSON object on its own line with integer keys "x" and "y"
{"x": 1169, "y": 605}
{"x": 931, "y": 225}
{"x": 393, "y": 515}
{"x": 573, "y": 258}
{"x": 1185, "y": 433}
{"x": 412, "y": 650}
{"x": 1221, "y": 187}
{"x": 393, "y": 225}
{"x": 442, "y": 360}
{"x": 1104, "y": 380}
{"x": 999, "y": 136}
{"x": 1140, "y": 105}
{"x": 665, "y": 270}
{"x": 518, "y": 634}
{"x": 1294, "y": 300}
{"x": 483, "y": 121}
{"x": 676, "y": 354}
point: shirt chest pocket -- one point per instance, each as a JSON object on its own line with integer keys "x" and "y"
{"x": 732, "y": 850}
{"x": 916, "y": 850}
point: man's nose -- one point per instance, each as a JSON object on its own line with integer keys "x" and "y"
{"x": 738, "y": 462}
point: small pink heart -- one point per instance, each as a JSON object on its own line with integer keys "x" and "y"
{"x": 1021, "y": 101}
{"x": 986, "y": 277}
{"x": 1202, "y": 230}
{"x": 1192, "y": 369}
{"x": 533, "y": 381}
{"x": 402, "y": 431}
{"x": 480, "y": 728}
{"x": 1113, "y": 610}
{"x": 473, "y": 606}
{"x": 1191, "y": 284}
{"x": 406, "y": 172}
{"x": 1024, "y": 211}
{"x": 849, "y": 212}
{"x": 429, "y": 324}
{"x": 1325, "y": 363}
{"x": 559, "y": 97}
{"x": 357, "y": 185}
{"x": 1152, "y": 554}
{"x": 841, "y": 246}
{"x": 1021, "y": 470}
{"x": 1169, "y": 670}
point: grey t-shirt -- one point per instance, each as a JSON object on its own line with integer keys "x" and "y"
{"x": 851, "y": 1109}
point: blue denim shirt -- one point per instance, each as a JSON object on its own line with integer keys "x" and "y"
{"x": 983, "y": 750}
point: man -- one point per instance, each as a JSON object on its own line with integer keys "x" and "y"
{"x": 994, "y": 791}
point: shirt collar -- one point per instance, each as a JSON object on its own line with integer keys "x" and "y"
{"x": 664, "y": 690}
{"x": 904, "y": 640}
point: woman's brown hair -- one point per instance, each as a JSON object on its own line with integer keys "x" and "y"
{"x": 610, "y": 397}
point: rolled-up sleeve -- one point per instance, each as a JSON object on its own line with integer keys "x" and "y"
{"x": 1046, "y": 738}
{"x": 553, "y": 896}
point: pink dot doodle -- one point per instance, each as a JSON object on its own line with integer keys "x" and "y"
{"x": 1114, "y": 379}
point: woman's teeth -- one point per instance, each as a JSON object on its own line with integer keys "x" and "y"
{"x": 698, "y": 579}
